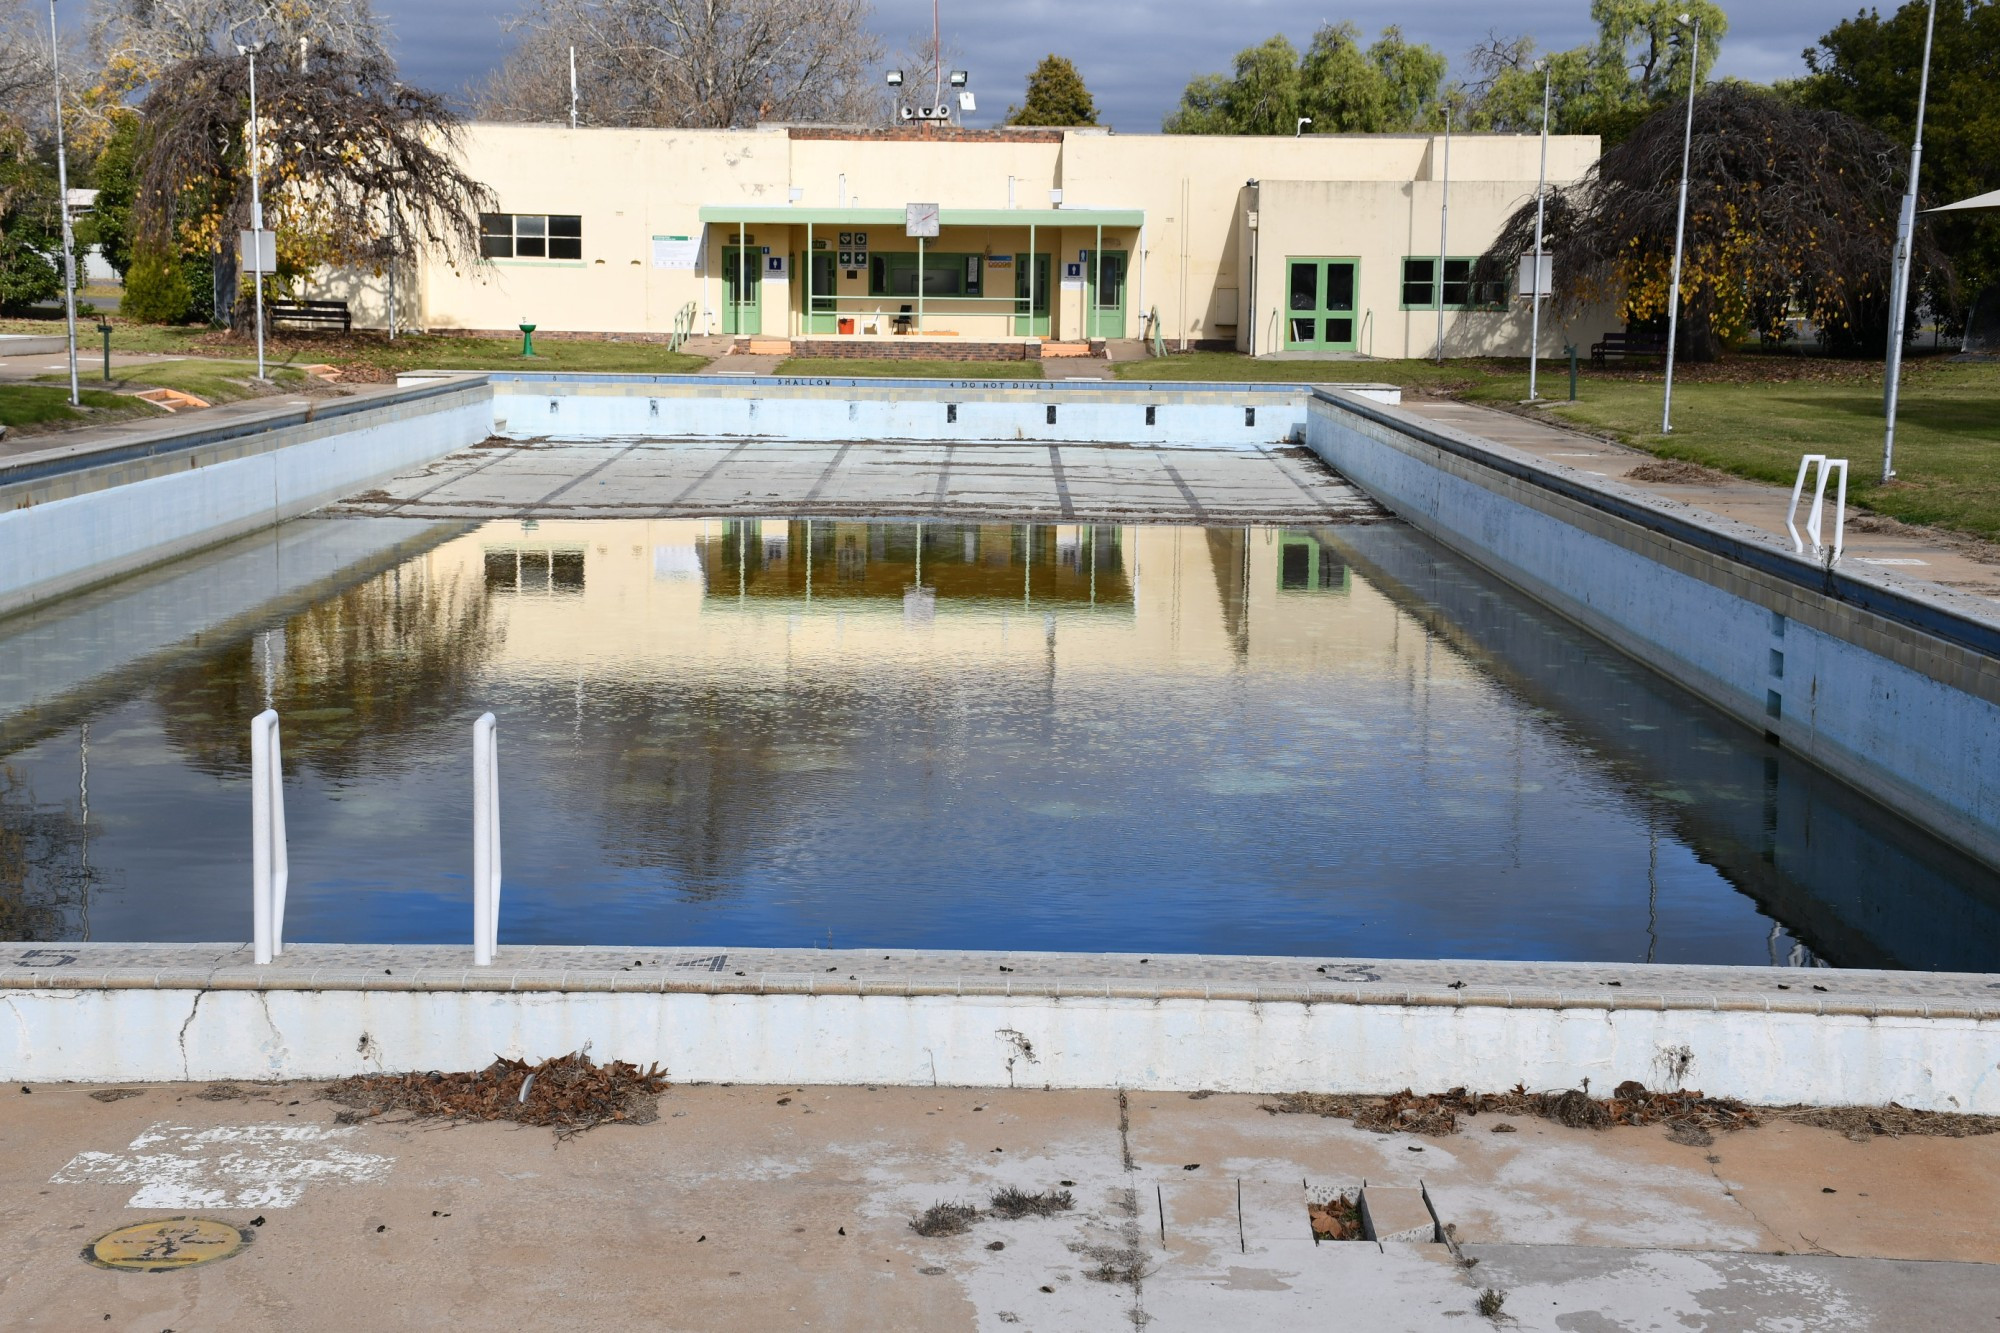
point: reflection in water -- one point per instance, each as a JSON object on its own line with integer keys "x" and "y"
{"x": 1340, "y": 741}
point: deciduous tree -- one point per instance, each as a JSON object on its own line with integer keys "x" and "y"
{"x": 1393, "y": 85}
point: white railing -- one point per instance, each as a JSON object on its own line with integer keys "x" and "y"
{"x": 271, "y": 868}
{"x": 485, "y": 839}
{"x": 1825, "y": 467}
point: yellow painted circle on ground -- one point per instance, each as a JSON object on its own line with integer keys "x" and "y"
{"x": 165, "y": 1245}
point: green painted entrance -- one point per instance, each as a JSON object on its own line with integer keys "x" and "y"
{"x": 1104, "y": 294}
{"x": 825, "y": 278}
{"x": 1319, "y": 303}
{"x": 742, "y": 289}
{"x": 1033, "y": 324}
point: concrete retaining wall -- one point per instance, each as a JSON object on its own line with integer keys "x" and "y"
{"x": 965, "y": 411}
{"x": 998, "y": 1041}
{"x": 67, "y": 522}
{"x": 1893, "y": 690}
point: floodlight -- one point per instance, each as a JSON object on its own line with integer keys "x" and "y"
{"x": 894, "y": 78}
{"x": 958, "y": 78}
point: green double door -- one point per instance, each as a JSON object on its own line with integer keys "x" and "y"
{"x": 825, "y": 313}
{"x": 1319, "y": 304}
{"x": 1104, "y": 294}
{"x": 1035, "y": 323}
{"x": 742, "y": 289}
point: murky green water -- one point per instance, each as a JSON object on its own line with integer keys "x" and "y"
{"x": 1342, "y": 741}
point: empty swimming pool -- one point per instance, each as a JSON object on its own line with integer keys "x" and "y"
{"x": 1332, "y": 740}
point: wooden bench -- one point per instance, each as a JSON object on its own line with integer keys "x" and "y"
{"x": 1626, "y": 344}
{"x": 312, "y": 314}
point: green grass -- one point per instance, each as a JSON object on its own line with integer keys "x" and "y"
{"x": 28, "y": 406}
{"x": 433, "y": 351}
{"x": 213, "y": 381}
{"x": 1234, "y": 367}
{"x": 840, "y": 367}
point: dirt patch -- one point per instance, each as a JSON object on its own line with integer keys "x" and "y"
{"x": 1439, "y": 1114}
{"x": 567, "y": 1093}
{"x": 1677, "y": 471}
{"x": 1862, "y": 1123}
{"x": 1337, "y": 1218}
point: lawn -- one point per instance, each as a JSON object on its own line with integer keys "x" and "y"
{"x": 212, "y": 381}
{"x": 26, "y": 406}
{"x": 840, "y": 367}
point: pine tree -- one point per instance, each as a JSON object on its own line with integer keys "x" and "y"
{"x": 1056, "y": 96}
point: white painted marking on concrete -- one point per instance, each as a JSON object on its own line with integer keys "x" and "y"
{"x": 1884, "y": 560}
{"x": 1576, "y": 455}
{"x": 225, "y": 1166}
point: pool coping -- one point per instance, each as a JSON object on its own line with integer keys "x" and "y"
{"x": 723, "y": 971}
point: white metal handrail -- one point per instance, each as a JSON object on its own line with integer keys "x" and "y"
{"x": 271, "y": 867}
{"x": 1814, "y": 521}
{"x": 485, "y": 839}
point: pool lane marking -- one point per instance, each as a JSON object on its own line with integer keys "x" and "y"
{"x": 713, "y": 468}
{"x": 944, "y": 475}
{"x": 826, "y": 476}
{"x": 498, "y": 455}
{"x": 1187, "y": 494}
{"x": 1062, "y": 483}
{"x": 1297, "y": 481}
{"x": 577, "y": 481}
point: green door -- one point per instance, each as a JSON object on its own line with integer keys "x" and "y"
{"x": 742, "y": 289}
{"x": 1104, "y": 294}
{"x": 825, "y": 277}
{"x": 1319, "y": 303}
{"x": 1031, "y": 324}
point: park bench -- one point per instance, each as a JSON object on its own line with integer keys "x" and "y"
{"x": 312, "y": 314}
{"x": 1622, "y": 345}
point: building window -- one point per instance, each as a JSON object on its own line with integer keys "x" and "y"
{"x": 1420, "y": 286}
{"x": 944, "y": 275}
{"x": 530, "y": 236}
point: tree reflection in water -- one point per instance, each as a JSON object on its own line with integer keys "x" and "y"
{"x": 45, "y": 871}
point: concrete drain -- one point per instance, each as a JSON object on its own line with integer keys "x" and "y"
{"x": 166, "y": 1245}
{"x": 1373, "y": 1212}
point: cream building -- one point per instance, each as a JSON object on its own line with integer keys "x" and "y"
{"x": 875, "y": 241}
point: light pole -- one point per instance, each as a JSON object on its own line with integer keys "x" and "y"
{"x": 1444, "y": 231}
{"x": 1899, "y": 280}
{"x": 256, "y": 209}
{"x": 62, "y": 191}
{"x": 1535, "y": 267}
{"x": 1680, "y": 225}
{"x": 1299, "y": 130}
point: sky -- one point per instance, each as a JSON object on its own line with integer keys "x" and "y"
{"x": 1136, "y": 58}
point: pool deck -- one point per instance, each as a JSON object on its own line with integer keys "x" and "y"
{"x": 788, "y": 1207}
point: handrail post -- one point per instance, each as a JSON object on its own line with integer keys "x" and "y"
{"x": 485, "y": 840}
{"x": 270, "y": 872}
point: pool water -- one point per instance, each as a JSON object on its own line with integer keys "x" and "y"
{"x": 1334, "y": 741}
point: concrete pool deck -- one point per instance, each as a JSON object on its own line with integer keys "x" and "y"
{"x": 788, "y": 1207}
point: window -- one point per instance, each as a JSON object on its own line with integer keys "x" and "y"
{"x": 944, "y": 275}
{"x": 1420, "y": 286}
{"x": 530, "y": 236}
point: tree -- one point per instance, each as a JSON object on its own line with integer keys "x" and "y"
{"x": 713, "y": 64}
{"x": 1056, "y": 96}
{"x": 30, "y": 223}
{"x": 1789, "y": 209}
{"x": 1392, "y": 86}
{"x": 1640, "y": 58}
{"x": 1867, "y": 67}
{"x": 357, "y": 168}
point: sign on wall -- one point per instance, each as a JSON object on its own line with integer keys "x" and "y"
{"x": 999, "y": 261}
{"x": 775, "y": 268}
{"x": 676, "y": 252}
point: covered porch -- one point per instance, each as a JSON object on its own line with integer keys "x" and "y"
{"x": 992, "y": 277}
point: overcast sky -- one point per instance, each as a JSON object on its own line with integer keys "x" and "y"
{"x": 1137, "y": 57}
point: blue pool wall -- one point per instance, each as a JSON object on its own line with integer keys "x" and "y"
{"x": 1894, "y": 688}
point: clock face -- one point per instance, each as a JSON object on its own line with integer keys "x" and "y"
{"x": 920, "y": 220}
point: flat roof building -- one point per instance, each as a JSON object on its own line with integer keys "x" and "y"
{"x": 869, "y": 241}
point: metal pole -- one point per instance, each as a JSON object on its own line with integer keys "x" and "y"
{"x": 808, "y": 322}
{"x": 1680, "y": 235}
{"x": 572, "y": 87}
{"x": 485, "y": 840}
{"x": 1899, "y": 284}
{"x": 1535, "y": 268}
{"x": 256, "y": 217}
{"x": 62, "y": 190}
{"x": 1444, "y": 225}
{"x": 1031, "y": 279}
{"x": 920, "y": 285}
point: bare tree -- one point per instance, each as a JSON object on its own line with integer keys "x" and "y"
{"x": 705, "y": 63}
{"x": 358, "y": 169}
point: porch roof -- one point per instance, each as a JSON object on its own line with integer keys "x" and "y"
{"x": 788, "y": 214}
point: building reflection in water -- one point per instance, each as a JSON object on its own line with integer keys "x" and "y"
{"x": 1337, "y": 741}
